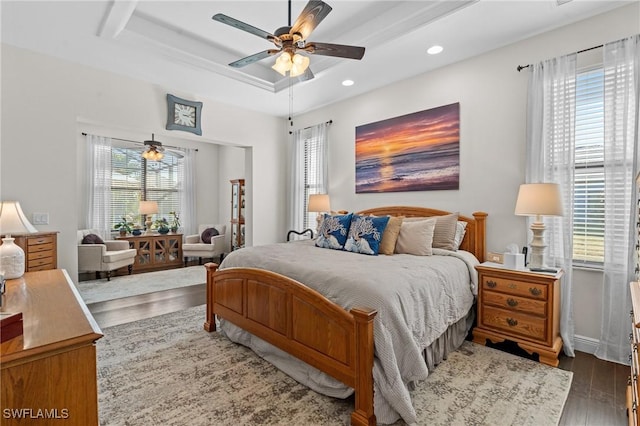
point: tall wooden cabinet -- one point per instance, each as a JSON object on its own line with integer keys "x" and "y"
{"x": 237, "y": 213}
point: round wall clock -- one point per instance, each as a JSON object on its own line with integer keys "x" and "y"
{"x": 183, "y": 115}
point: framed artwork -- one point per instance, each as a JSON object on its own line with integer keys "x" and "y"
{"x": 183, "y": 115}
{"x": 413, "y": 152}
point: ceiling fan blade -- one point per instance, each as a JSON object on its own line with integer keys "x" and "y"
{"x": 307, "y": 75}
{"x": 339, "y": 50}
{"x": 253, "y": 58}
{"x": 220, "y": 17}
{"x": 314, "y": 12}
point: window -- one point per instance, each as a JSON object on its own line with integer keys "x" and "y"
{"x": 312, "y": 183}
{"x": 588, "y": 203}
{"x": 133, "y": 179}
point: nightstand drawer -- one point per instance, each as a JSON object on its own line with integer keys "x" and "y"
{"x": 40, "y": 240}
{"x": 39, "y": 255}
{"x": 41, "y": 264}
{"x": 515, "y": 287}
{"x": 515, "y": 303}
{"x": 514, "y": 322}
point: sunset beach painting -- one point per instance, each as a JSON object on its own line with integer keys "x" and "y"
{"x": 413, "y": 152}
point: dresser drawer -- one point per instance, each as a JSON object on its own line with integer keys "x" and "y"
{"x": 514, "y": 322}
{"x": 46, "y": 254}
{"x": 515, "y": 303}
{"x": 515, "y": 287}
{"x": 40, "y": 264}
{"x": 48, "y": 239}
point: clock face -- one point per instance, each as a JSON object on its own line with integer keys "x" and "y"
{"x": 184, "y": 115}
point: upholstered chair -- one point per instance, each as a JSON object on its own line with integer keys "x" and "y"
{"x": 209, "y": 242}
{"x": 95, "y": 254}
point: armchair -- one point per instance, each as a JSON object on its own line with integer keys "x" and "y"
{"x": 105, "y": 257}
{"x": 204, "y": 244}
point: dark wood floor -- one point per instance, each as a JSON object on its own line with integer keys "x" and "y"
{"x": 596, "y": 398}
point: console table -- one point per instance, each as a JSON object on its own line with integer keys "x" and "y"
{"x": 50, "y": 370}
{"x": 156, "y": 251}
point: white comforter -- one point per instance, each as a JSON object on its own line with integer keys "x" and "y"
{"x": 417, "y": 299}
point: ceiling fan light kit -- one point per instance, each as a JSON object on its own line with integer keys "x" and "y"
{"x": 154, "y": 152}
{"x": 293, "y": 38}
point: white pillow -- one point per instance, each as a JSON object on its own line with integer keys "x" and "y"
{"x": 461, "y": 229}
{"x": 416, "y": 237}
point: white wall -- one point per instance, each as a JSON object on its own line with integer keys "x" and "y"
{"x": 47, "y": 103}
{"x": 492, "y": 96}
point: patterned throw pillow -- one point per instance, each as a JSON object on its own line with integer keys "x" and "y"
{"x": 92, "y": 239}
{"x": 445, "y": 231}
{"x": 207, "y": 234}
{"x": 461, "y": 229}
{"x": 365, "y": 234}
{"x": 333, "y": 231}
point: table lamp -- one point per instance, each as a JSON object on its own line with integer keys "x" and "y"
{"x": 319, "y": 203}
{"x": 12, "y": 221}
{"x": 538, "y": 199}
{"x": 148, "y": 209}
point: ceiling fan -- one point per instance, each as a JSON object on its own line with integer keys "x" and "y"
{"x": 155, "y": 152}
{"x": 292, "y": 39}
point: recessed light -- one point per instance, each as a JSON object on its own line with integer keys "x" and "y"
{"x": 347, "y": 83}
{"x": 434, "y": 50}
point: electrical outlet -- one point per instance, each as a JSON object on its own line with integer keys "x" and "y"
{"x": 41, "y": 218}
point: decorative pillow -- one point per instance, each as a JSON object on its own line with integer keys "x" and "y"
{"x": 333, "y": 231}
{"x": 461, "y": 229}
{"x": 390, "y": 235}
{"x": 207, "y": 234}
{"x": 365, "y": 234}
{"x": 445, "y": 231}
{"x": 92, "y": 239}
{"x": 416, "y": 237}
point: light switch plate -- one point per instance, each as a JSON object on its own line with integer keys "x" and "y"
{"x": 41, "y": 218}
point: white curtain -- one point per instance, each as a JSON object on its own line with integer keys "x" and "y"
{"x": 621, "y": 95}
{"x": 98, "y": 179}
{"x": 308, "y": 171}
{"x": 188, "y": 193}
{"x": 550, "y": 158}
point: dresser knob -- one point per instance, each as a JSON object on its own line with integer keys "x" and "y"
{"x": 513, "y": 303}
{"x": 491, "y": 284}
{"x": 535, "y": 291}
{"x": 512, "y": 322}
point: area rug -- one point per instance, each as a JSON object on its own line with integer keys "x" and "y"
{"x": 167, "y": 370}
{"x": 132, "y": 285}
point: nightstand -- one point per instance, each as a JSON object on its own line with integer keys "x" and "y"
{"x": 520, "y": 306}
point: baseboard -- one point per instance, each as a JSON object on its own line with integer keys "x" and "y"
{"x": 585, "y": 344}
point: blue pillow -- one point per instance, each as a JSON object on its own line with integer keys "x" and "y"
{"x": 365, "y": 234}
{"x": 333, "y": 231}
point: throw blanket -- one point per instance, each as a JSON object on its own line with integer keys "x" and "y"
{"x": 417, "y": 299}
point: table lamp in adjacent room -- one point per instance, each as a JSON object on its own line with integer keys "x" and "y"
{"x": 319, "y": 203}
{"x": 538, "y": 199}
{"x": 148, "y": 209}
{"x": 12, "y": 221}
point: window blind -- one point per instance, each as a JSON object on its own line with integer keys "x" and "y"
{"x": 588, "y": 205}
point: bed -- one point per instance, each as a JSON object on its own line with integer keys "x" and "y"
{"x": 266, "y": 296}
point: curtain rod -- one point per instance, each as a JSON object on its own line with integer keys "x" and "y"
{"x": 521, "y": 67}
{"x": 142, "y": 143}
{"x": 308, "y": 127}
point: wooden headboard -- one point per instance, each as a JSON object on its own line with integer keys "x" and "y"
{"x": 474, "y": 238}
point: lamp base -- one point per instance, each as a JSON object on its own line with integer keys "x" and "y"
{"x": 11, "y": 259}
{"x": 537, "y": 245}
{"x": 147, "y": 226}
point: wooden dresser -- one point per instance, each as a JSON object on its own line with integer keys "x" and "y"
{"x": 520, "y": 306}
{"x": 48, "y": 375}
{"x": 633, "y": 389}
{"x": 40, "y": 250}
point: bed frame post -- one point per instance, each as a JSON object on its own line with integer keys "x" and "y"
{"x": 481, "y": 230}
{"x": 363, "y": 414}
{"x": 210, "y": 320}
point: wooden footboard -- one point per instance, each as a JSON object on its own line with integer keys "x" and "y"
{"x": 301, "y": 322}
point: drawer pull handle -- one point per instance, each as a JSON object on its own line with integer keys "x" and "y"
{"x": 513, "y": 303}
{"x": 491, "y": 284}
{"x": 512, "y": 286}
{"x": 512, "y": 322}
{"x": 535, "y": 291}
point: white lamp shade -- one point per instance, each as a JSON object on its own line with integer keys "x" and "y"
{"x": 539, "y": 199}
{"x": 13, "y": 220}
{"x": 319, "y": 203}
{"x": 148, "y": 207}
